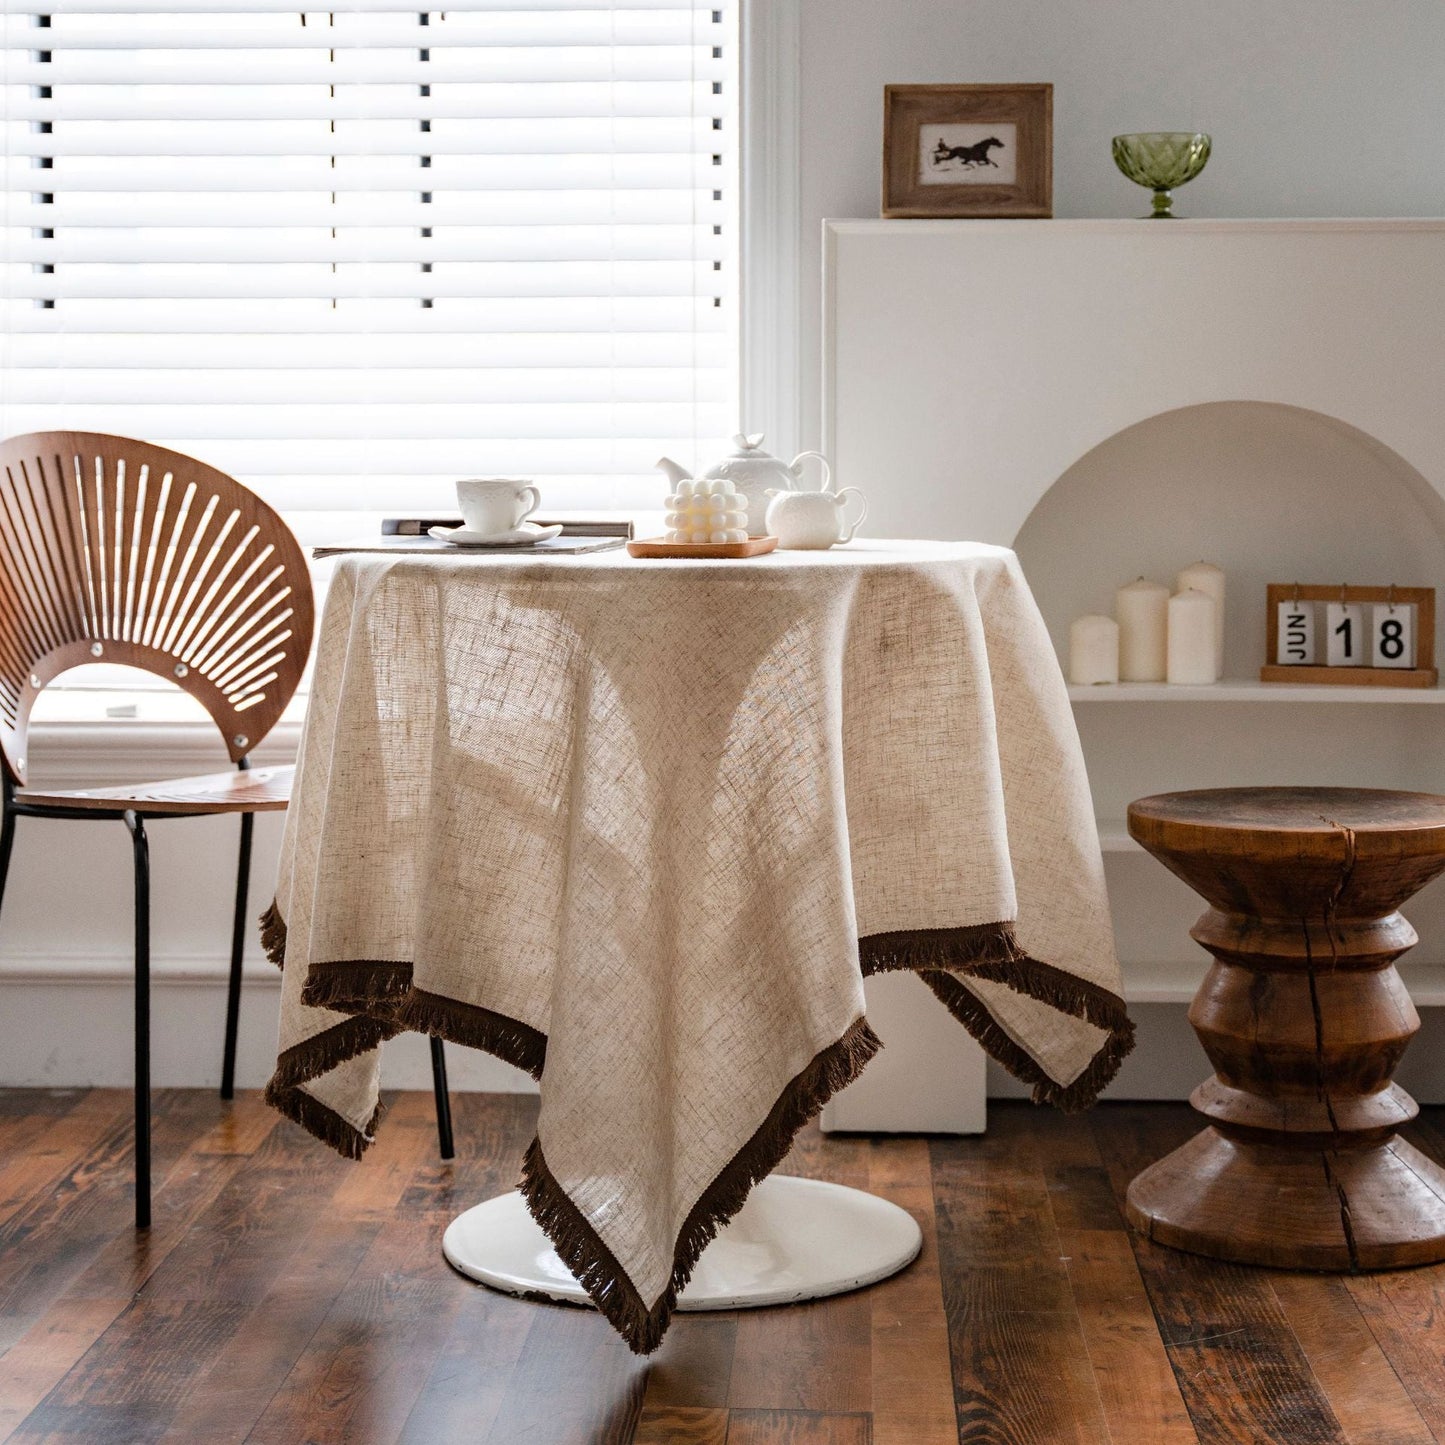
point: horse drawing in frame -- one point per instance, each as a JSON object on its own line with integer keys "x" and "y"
{"x": 969, "y": 156}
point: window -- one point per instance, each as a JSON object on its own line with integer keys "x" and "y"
{"x": 349, "y": 256}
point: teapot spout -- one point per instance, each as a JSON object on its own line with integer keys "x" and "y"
{"x": 672, "y": 471}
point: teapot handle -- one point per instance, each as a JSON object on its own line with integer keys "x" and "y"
{"x": 848, "y": 535}
{"x": 827, "y": 470}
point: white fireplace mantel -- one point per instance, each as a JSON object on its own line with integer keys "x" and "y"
{"x": 984, "y": 358}
{"x": 1123, "y": 397}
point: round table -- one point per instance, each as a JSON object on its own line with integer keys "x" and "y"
{"x": 641, "y": 829}
{"x": 1305, "y": 1018}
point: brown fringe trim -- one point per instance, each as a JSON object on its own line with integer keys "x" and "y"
{"x": 379, "y": 997}
{"x": 915, "y": 949}
{"x": 372, "y": 986}
{"x": 376, "y": 989}
{"x": 316, "y": 1056}
{"x": 1073, "y": 1098}
{"x": 327, "y": 1125}
{"x": 990, "y": 952}
{"x": 593, "y": 1263}
{"x": 329, "y": 1050}
{"x": 273, "y": 935}
{"x": 478, "y": 1028}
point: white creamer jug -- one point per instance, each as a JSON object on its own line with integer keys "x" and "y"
{"x": 812, "y": 520}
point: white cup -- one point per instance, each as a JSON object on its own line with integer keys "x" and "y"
{"x": 493, "y": 505}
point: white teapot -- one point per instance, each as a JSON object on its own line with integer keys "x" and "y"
{"x": 755, "y": 473}
{"x": 812, "y": 520}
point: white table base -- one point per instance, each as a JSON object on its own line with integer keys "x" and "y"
{"x": 929, "y": 1077}
{"x": 794, "y": 1239}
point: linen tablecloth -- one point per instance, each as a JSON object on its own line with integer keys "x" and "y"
{"x": 642, "y": 827}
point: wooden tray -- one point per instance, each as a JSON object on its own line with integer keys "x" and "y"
{"x": 657, "y": 547}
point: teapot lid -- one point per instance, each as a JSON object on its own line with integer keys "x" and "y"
{"x": 749, "y": 445}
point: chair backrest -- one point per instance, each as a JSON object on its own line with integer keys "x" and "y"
{"x": 114, "y": 550}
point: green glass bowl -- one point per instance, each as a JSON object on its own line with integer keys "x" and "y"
{"x": 1162, "y": 160}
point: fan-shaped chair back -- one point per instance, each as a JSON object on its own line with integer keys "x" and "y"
{"x": 114, "y": 550}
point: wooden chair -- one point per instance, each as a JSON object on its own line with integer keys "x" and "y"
{"x": 114, "y": 550}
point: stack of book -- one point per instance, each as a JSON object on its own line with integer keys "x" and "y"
{"x": 571, "y": 526}
{"x": 411, "y": 535}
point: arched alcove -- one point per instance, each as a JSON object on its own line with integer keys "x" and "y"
{"x": 1113, "y": 398}
{"x": 1272, "y": 493}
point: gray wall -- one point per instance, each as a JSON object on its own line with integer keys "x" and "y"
{"x": 1317, "y": 107}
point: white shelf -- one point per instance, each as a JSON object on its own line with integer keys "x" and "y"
{"x": 1242, "y": 690}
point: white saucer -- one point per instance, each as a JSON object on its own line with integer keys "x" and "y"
{"x": 522, "y": 536}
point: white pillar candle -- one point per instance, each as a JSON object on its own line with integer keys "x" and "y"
{"x": 1142, "y": 608}
{"x": 1191, "y": 638}
{"x": 1207, "y": 578}
{"x": 1093, "y": 650}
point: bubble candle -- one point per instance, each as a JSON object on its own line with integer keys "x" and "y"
{"x": 707, "y": 511}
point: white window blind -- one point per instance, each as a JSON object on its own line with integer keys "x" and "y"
{"x": 351, "y": 255}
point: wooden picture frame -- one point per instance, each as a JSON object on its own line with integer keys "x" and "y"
{"x": 1423, "y": 674}
{"x": 968, "y": 150}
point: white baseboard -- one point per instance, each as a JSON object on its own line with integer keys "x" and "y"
{"x": 65, "y": 1021}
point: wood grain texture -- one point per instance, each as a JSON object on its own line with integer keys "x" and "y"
{"x": 912, "y": 1370}
{"x": 261, "y": 790}
{"x": 681, "y": 1425}
{"x": 1366, "y": 1394}
{"x": 1239, "y": 1367}
{"x": 50, "y": 1149}
{"x": 1021, "y": 1368}
{"x": 1405, "y": 1313}
{"x": 62, "y": 1335}
{"x": 797, "y": 1427}
{"x": 286, "y": 1296}
{"x": 1137, "y": 1388}
{"x": 1305, "y": 1018}
{"x": 661, "y": 547}
{"x": 694, "y": 1366}
{"x": 75, "y": 1211}
{"x": 798, "y": 1356}
{"x": 121, "y": 551}
{"x": 801, "y": 1357}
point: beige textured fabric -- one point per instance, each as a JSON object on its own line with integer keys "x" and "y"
{"x": 641, "y": 827}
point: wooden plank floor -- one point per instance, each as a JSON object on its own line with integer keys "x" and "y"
{"x": 285, "y": 1296}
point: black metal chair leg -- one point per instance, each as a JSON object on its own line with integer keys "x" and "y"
{"x": 141, "y": 850}
{"x": 7, "y": 844}
{"x": 443, "y": 1098}
{"x": 238, "y": 946}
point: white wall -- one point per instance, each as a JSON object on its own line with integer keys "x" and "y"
{"x": 1317, "y": 107}
{"x": 66, "y": 928}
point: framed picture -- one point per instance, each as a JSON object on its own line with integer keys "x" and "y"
{"x": 968, "y": 150}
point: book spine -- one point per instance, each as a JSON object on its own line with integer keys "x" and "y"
{"x": 421, "y": 526}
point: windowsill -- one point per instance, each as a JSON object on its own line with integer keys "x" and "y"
{"x": 76, "y": 739}
{"x": 81, "y": 735}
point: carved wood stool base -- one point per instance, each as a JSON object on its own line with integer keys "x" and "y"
{"x": 1305, "y": 1018}
{"x": 1292, "y": 1208}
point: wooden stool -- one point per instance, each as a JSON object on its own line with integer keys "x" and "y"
{"x": 1304, "y": 1018}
